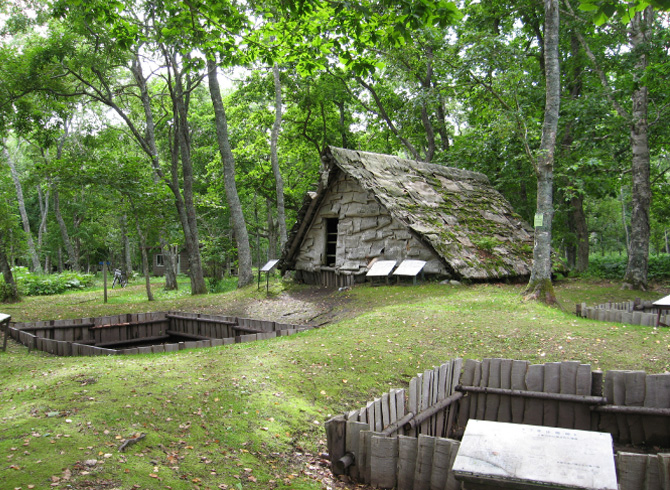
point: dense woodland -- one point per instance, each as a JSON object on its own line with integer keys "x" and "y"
{"x": 134, "y": 126}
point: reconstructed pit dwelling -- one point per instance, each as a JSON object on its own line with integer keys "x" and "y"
{"x": 142, "y": 333}
{"x": 369, "y": 207}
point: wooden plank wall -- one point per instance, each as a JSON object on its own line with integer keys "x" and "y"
{"x": 70, "y": 337}
{"x": 643, "y": 471}
{"x": 376, "y": 454}
{"x": 636, "y": 388}
{"x": 570, "y": 377}
{"x": 623, "y": 313}
{"x": 422, "y": 457}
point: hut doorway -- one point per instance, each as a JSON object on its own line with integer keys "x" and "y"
{"x": 331, "y": 242}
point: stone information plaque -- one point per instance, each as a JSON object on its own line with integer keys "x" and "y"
{"x": 504, "y": 455}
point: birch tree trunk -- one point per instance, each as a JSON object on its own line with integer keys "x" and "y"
{"x": 32, "y": 251}
{"x": 245, "y": 274}
{"x": 540, "y": 286}
{"x": 272, "y": 232}
{"x": 638, "y": 252}
{"x": 274, "y": 159}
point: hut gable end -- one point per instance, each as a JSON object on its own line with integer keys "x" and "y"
{"x": 370, "y": 206}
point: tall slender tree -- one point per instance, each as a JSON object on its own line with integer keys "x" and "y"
{"x": 540, "y": 286}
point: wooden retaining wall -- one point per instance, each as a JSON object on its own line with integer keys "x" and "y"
{"x": 629, "y": 312}
{"x": 408, "y": 440}
{"x": 106, "y": 335}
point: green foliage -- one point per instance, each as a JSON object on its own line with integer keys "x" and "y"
{"x": 46, "y": 284}
{"x": 606, "y": 10}
{"x": 614, "y": 267}
{"x": 486, "y": 243}
{"x": 8, "y": 294}
{"x": 222, "y": 285}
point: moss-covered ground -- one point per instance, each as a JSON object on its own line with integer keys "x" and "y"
{"x": 251, "y": 415}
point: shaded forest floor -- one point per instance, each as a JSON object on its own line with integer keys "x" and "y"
{"x": 250, "y": 416}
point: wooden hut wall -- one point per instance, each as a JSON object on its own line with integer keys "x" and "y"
{"x": 365, "y": 231}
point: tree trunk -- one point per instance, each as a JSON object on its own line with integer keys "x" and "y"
{"x": 32, "y": 251}
{"x": 274, "y": 159}
{"x": 73, "y": 260}
{"x": 638, "y": 252}
{"x": 44, "y": 213}
{"x": 578, "y": 226}
{"x": 145, "y": 262}
{"x": 180, "y": 104}
{"x": 127, "y": 260}
{"x": 272, "y": 231}
{"x": 169, "y": 264}
{"x": 148, "y": 143}
{"x": 540, "y": 286}
{"x": 245, "y": 274}
{"x": 11, "y": 292}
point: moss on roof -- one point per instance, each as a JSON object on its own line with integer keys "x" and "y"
{"x": 469, "y": 224}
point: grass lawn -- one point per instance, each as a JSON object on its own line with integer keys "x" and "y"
{"x": 250, "y": 416}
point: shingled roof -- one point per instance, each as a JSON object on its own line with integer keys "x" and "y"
{"x": 455, "y": 212}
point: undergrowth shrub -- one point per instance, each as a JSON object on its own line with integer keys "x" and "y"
{"x": 7, "y": 293}
{"x": 614, "y": 267}
{"x": 223, "y": 285}
{"x": 30, "y": 284}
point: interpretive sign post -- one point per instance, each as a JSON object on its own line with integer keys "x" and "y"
{"x": 267, "y": 268}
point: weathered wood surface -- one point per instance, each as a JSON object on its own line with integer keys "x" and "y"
{"x": 383, "y": 461}
{"x": 643, "y": 471}
{"x": 629, "y": 312}
{"x": 574, "y": 390}
{"x": 126, "y": 329}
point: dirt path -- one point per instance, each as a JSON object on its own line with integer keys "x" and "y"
{"x": 302, "y": 306}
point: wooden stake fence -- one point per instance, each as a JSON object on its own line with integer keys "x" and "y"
{"x": 412, "y": 445}
{"x": 628, "y": 312}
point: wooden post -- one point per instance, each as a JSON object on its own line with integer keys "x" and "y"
{"x": 4, "y": 323}
{"x": 104, "y": 279}
{"x": 335, "y": 431}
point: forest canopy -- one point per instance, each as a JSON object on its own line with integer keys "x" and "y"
{"x": 191, "y": 130}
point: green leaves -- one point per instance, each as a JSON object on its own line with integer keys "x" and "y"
{"x": 605, "y": 10}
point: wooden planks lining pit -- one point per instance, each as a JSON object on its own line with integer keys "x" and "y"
{"x": 631, "y": 405}
{"x": 144, "y": 332}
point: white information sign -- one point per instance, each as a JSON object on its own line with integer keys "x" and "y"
{"x": 381, "y": 268}
{"x": 409, "y": 268}
{"x": 530, "y": 456}
{"x": 269, "y": 266}
{"x": 663, "y": 301}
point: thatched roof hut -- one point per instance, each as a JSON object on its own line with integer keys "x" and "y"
{"x": 369, "y": 207}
